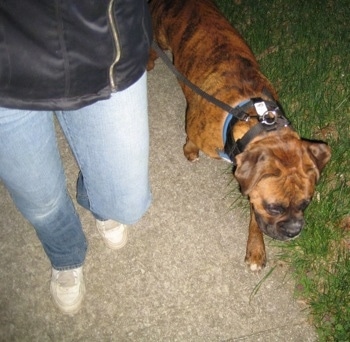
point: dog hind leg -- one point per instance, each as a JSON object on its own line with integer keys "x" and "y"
{"x": 152, "y": 57}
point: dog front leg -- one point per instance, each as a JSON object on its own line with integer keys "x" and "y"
{"x": 255, "y": 254}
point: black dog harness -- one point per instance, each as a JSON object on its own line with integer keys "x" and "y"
{"x": 270, "y": 117}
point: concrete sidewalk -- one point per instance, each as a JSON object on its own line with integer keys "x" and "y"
{"x": 181, "y": 277}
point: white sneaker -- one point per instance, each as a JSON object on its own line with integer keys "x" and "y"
{"x": 114, "y": 234}
{"x": 68, "y": 289}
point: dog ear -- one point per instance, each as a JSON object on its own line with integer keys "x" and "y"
{"x": 319, "y": 152}
{"x": 251, "y": 167}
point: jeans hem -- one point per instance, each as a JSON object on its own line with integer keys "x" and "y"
{"x": 66, "y": 268}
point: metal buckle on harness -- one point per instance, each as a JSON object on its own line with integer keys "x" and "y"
{"x": 245, "y": 117}
{"x": 267, "y": 117}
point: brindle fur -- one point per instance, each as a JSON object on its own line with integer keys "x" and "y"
{"x": 277, "y": 169}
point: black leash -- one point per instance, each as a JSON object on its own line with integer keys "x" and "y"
{"x": 238, "y": 112}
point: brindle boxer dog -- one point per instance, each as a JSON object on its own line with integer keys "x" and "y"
{"x": 275, "y": 168}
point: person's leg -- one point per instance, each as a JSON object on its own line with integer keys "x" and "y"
{"x": 110, "y": 140}
{"x": 31, "y": 170}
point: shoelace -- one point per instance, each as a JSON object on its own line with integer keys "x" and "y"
{"x": 67, "y": 278}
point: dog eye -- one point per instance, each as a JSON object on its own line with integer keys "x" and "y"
{"x": 274, "y": 209}
{"x": 304, "y": 205}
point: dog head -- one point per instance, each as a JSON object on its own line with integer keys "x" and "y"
{"x": 279, "y": 173}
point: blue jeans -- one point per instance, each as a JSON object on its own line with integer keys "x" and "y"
{"x": 110, "y": 141}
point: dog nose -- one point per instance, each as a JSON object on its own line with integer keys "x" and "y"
{"x": 293, "y": 228}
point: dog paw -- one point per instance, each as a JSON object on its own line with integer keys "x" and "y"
{"x": 256, "y": 261}
{"x": 255, "y": 267}
{"x": 193, "y": 159}
{"x": 191, "y": 151}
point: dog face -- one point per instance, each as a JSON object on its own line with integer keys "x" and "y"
{"x": 279, "y": 174}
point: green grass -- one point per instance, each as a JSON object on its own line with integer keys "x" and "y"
{"x": 303, "y": 48}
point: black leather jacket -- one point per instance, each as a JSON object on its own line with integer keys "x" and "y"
{"x": 65, "y": 54}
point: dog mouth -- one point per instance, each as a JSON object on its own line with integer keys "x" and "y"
{"x": 272, "y": 232}
{"x": 282, "y": 230}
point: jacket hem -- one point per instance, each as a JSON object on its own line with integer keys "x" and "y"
{"x": 55, "y": 104}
